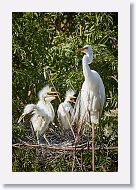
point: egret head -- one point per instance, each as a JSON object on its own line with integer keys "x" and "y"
{"x": 70, "y": 96}
{"x": 47, "y": 94}
{"x": 87, "y": 49}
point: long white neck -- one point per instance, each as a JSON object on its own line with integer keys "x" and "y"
{"x": 87, "y": 59}
{"x": 90, "y": 56}
{"x": 66, "y": 101}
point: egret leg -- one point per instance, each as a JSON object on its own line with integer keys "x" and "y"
{"x": 93, "y": 147}
{"x": 78, "y": 133}
{"x": 46, "y": 138}
{"x": 101, "y": 139}
{"x": 62, "y": 135}
{"x": 37, "y": 136}
{"x": 72, "y": 132}
{"x": 32, "y": 128}
{"x": 88, "y": 138}
{"x": 38, "y": 142}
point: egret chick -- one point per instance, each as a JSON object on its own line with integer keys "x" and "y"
{"x": 65, "y": 110}
{"x": 42, "y": 112}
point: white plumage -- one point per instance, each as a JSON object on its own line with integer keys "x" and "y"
{"x": 65, "y": 110}
{"x": 42, "y": 112}
{"x": 92, "y": 97}
{"x": 29, "y": 108}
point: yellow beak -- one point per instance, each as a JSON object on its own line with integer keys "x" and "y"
{"x": 73, "y": 99}
{"x": 52, "y": 93}
{"x": 80, "y": 49}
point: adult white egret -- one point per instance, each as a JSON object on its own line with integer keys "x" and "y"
{"x": 42, "y": 112}
{"x": 92, "y": 96}
{"x": 65, "y": 110}
{"x": 92, "y": 91}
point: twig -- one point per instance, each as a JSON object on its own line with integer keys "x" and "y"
{"x": 64, "y": 148}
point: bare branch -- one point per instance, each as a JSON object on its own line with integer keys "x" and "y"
{"x": 64, "y": 148}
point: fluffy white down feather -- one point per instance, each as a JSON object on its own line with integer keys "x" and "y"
{"x": 65, "y": 111}
{"x": 42, "y": 113}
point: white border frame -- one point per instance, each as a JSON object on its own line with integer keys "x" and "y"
{"x": 123, "y": 174}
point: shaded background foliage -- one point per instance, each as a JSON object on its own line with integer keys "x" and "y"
{"x": 49, "y": 40}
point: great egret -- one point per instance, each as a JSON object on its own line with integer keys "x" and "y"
{"x": 65, "y": 110}
{"x": 92, "y": 96}
{"x": 92, "y": 91}
{"x": 42, "y": 112}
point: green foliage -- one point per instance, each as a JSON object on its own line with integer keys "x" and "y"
{"x": 49, "y": 40}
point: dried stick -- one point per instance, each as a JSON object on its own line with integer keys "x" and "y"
{"x": 64, "y": 148}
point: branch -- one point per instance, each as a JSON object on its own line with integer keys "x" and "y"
{"x": 64, "y": 148}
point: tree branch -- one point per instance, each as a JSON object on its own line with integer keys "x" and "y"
{"x": 65, "y": 148}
